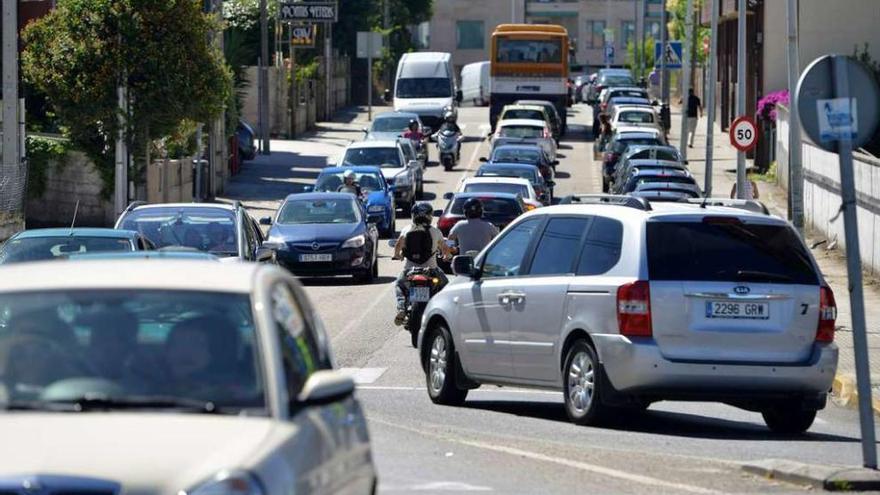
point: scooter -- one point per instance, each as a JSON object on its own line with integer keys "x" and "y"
{"x": 448, "y": 143}
{"x": 423, "y": 284}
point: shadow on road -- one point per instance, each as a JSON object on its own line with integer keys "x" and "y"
{"x": 340, "y": 281}
{"x": 275, "y": 176}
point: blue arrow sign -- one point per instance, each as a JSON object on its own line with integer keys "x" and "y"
{"x": 673, "y": 54}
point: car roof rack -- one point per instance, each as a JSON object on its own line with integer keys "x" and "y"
{"x": 751, "y": 205}
{"x": 607, "y": 199}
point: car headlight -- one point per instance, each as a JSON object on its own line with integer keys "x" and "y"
{"x": 402, "y": 180}
{"x": 228, "y": 483}
{"x": 355, "y": 242}
{"x": 279, "y": 242}
{"x": 376, "y": 209}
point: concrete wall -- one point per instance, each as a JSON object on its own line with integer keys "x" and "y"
{"x": 822, "y": 194}
{"x": 170, "y": 181}
{"x": 74, "y": 180}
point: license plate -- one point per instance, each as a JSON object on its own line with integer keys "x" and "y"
{"x": 419, "y": 294}
{"x": 311, "y": 258}
{"x": 738, "y": 310}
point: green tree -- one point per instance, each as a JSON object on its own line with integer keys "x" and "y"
{"x": 158, "y": 49}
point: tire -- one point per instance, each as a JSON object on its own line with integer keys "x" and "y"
{"x": 788, "y": 419}
{"x": 374, "y": 271}
{"x": 582, "y": 385}
{"x": 605, "y": 185}
{"x": 440, "y": 369}
{"x": 420, "y": 190}
{"x": 414, "y": 322}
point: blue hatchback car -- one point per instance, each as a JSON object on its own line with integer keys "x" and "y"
{"x": 379, "y": 196}
{"x": 322, "y": 234}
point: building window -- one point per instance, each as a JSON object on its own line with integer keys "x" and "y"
{"x": 469, "y": 35}
{"x": 595, "y": 34}
{"x": 627, "y": 32}
{"x": 653, "y": 30}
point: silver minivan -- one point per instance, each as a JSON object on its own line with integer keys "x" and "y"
{"x": 619, "y": 303}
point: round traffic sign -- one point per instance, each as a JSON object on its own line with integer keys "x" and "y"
{"x": 743, "y": 133}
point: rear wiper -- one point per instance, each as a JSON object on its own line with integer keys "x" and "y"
{"x": 756, "y": 276}
{"x": 104, "y": 403}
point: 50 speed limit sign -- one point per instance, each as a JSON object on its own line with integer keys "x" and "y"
{"x": 743, "y": 133}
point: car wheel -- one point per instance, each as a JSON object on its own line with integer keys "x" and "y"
{"x": 440, "y": 369}
{"x": 582, "y": 385}
{"x": 788, "y": 419}
{"x": 420, "y": 190}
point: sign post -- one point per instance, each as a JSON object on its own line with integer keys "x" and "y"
{"x": 671, "y": 56}
{"x": 839, "y": 107}
{"x": 369, "y": 46}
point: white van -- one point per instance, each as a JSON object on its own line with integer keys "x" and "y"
{"x": 475, "y": 83}
{"x": 425, "y": 85}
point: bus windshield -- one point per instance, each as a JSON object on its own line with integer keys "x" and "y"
{"x": 548, "y": 51}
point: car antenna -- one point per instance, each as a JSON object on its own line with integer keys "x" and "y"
{"x": 73, "y": 222}
{"x": 705, "y": 201}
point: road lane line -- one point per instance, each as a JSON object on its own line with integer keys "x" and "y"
{"x": 380, "y": 296}
{"x": 472, "y": 161}
{"x": 364, "y": 375}
{"x": 583, "y": 466}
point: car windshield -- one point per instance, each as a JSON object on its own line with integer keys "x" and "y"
{"x": 621, "y": 145}
{"x": 480, "y": 187}
{"x": 516, "y": 155}
{"x": 670, "y": 179}
{"x": 314, "y": 211}
{"x": 132, "y": 348}
{"x": 522, "y": 131}
{"x": 631, "y": 93}
{"x": 616, "y": 80}
{"x": 507, "y": 172}
{"x": 520, "y": 113}
{"x": 378, "y": 157}
{"x": 493, "y": 208}
{"x": 205, "y": 229}
{"x": 47, "y": 248}
{"x": 331, "y": 182}
{"x": 424, "y": 87}
{"x": 727, "y": 251}
{"x": 390, "y": 124}
{"x": 636, "y": 117}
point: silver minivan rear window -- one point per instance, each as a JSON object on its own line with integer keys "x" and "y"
{"x": 726, "y": 249}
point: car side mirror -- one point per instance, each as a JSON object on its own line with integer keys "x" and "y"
{"x": 655, "y": 103}
{"x": 325, "y": 387}
{"x": 266, "y": 221}
{"x": 264, "y": 254}
{"x": 438, "y": 213}
{"x": 464, "y": 265}
{"x": 459, "y": 96}
{"x": 484, "y": 159}
{"x": 448, "y": 195}
{"x": 413, "y": 164}
{"x": 308, "y": 188}
{"x": 386, "y": 95}
{"x": 550, "y": 183}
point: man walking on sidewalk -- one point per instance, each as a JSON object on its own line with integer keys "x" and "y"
{"x": 694, "y": 111}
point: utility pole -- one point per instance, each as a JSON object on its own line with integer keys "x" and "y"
{"x": 120, "y": 183}
{"x": 795, "y": 165}
{"x": 264, "y": 78}
{"x": 328, "y": 71}
{"x": 13, "y": 173}
{"x": 710, "y": 99}
{"x": 607, "y": 30}
{"x": 635, "y": 40}
{"x": 686, "y": 77}
{"x": 664, "y": 71}
{"x": 386, "y": 24}
{"x": 741, "y": 92}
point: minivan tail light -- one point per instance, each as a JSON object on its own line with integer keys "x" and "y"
{"x": 634, "y": 309}
{"x": 827, "y": 315}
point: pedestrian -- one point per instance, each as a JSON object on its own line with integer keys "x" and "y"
{"x": 751, "y": 191}
{"x": 694, "y": 111}
{"x": 604, "y": 136}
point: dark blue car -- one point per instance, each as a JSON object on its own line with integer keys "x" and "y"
{"x": 323, "y": 234}
{"x": 379, "y": 197}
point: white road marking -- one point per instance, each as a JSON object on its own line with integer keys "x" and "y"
{"x": 472, "y": 161}
{"x": 364, "y": 375}
{"x": 355, "y": 323}
{"x": 583, "y": 466}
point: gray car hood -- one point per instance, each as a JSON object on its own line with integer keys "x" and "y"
{"x": 148, "y": 453}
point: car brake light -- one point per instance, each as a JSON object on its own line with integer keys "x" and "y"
{"x": 530, "y": 207}
{"x": 419, "y": 278}
{"x": 634, "y": 309}
{"x": 446, "y": 223}
{"x": 827, "y": 315}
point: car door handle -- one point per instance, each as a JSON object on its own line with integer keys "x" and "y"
{"x": 511, "y": 296}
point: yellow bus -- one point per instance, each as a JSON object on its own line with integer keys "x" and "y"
{"x": 529, "y": 61}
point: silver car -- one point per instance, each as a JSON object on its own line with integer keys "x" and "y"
{"x": 161, "y": 376}
{"x": 619, "y": 302}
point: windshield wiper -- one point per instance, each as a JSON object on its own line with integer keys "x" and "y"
{"x": 756, "y": 276}
{"x": 103, "y": 403}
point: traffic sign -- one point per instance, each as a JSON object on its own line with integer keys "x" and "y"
{"x": 369, "y": 44}
{"x": 743, "y": 133}
{"x": 308, "y": 12}
{"x": 673, "y": 54}
{"x": 304, "y": 36}
{"x": 609, "y": 53}
{"x": 828, "y": 117}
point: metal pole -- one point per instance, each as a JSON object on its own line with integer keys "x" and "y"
{"x": 369, "y": 77}
{"x": 512, "y": 11}
{"x": 795, "y": 165}
{"x": 607, "y": 26}
{"x": 328, "y": 69}
{"x": 636, "y": 68}
{"x": 12, "y": 192}
{"x": 741, "y": 93}
{"x": 854, "y": 275}
{"x": 710, "y": 98}
{"x": 120, "y": 183}
{"x": 264, "y": 78}
{"x": 386, "y": 23}
{"x": 664, "y": 71}
{"x": 686, "y": 78}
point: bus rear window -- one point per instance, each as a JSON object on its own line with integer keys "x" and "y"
{"x": 529, "y": 51}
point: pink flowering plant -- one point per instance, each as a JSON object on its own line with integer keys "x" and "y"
{"x": 767, "y": 105}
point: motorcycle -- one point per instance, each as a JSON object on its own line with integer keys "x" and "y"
{"x": 423, "y": 284}
{"x": 448, "y": 143}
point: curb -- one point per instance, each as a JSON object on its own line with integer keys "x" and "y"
{"x": 846, "y": 393}
{"x": 830, "y": 478}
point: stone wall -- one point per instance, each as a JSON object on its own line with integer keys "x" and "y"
{"x": 73, "y": 180}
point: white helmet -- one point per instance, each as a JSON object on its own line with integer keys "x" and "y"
{"x": 449, "y": 117}
{"x": 348, "y": 174}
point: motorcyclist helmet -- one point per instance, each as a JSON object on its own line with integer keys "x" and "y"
{"x": 449, "y": 117}
{"x": 473, "y": 208}
{"x": 413, "y": 125}
{"x": 422, "y": 214}
{"x": 349, "y": 175}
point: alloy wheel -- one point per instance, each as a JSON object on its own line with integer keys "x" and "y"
{"x": 438, "y": 362}
{"x": 581, "y": 383}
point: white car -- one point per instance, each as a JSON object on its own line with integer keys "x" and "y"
{"x": 635, "y": 116}
{"x": 503, "y": 185}
{"x": 402, "y": 174}
{"x": 525, "y": 131}
{"x": 180, "y": 377}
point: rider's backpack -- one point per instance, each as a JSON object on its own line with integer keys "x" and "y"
{"x": 418, "y": 246}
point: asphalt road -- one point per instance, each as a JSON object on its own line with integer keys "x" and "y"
{"x": 506, "y": 440}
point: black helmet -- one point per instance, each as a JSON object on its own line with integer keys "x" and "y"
{"x": 473, "y": 208}
{"x": 422, "y": 213}
{"x": 413, "y": 122}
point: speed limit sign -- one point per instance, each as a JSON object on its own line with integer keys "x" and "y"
{"x": 743, "y": 133}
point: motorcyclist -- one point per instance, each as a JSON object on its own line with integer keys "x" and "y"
{"x": 413, "y": 132}
{"x": 449, "y": 124}
{"x": 473, "y": 233}
{"x": 418, "y": 244}
{"x": 349, "y": 185}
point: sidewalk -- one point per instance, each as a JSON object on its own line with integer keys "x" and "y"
{"x": 832, "y": 262}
